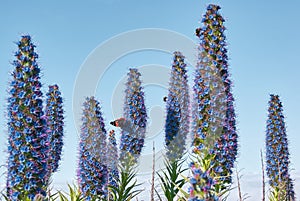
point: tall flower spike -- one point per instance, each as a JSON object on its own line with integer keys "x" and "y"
{"x": 214, "y": 127}
{"x": 92, "y": 171}
{"x": 27, "y": 138}
{"x": 55, "y": 125}
{"x": 135, "y": 119}
{"x": 112, "y": 159}
{"x": 177, "y": 120}
{"x": 277, "y": 152}
{"x": 176, "y": 128}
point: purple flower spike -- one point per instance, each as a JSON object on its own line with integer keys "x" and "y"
{"x": 177, "y": 120}
{"x": 112, "y": 159}
{"x": 277, "y": 152}
{"x": 92, "y": 170}
{"x": 55, "y": 124}
{"x": 27, "y": 159}
{"x": 214, "y": 126}
{"x": 135, "y": 118}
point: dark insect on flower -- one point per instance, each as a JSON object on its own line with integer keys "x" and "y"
{"x": 165, "y": 99}
{"x": 198, "y": 30}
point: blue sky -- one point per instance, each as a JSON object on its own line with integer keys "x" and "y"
{"x": 263, "y": 46}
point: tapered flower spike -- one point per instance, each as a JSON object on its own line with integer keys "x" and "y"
{"x": 135, "y": 119}
{"x": 112, "y": 159}
{"x": 177, "y": 120}
{"x": 55, "y": 125}
{"x": 27, "y": 138}
{"x": 133, "y": 130}
{"x": 214, "y": 130}
{"x": 176, "y": 129}
{"x": 92, "y": 170}
{"x": 277, "y": 152}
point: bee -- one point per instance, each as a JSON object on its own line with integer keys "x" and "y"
{"x": 198, "y": 30}
{"x": 165, "y": 99}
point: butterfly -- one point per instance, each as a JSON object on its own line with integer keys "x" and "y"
{"x": 123, "y": 124}
{"x": 118, "y": 122}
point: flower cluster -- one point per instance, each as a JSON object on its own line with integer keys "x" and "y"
{"x": 112, "y": 159}
{"x": 202, "y": 184}
{"x": 209, "y": 91}
{"x": 55, "y": 125}
{"x": 177, "y": 120}
{"x": 226, "y": 147}
{"x": 27, "y": 142}
{"x": 92, "y": 171}
{"x": 277, "y": 153}
{"x": 132, "y": 138}
{"x": 214, "y": 126}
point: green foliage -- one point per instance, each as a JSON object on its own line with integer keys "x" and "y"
{"x": 279, "y": 193}
{"x": 171, "y": 181}
{"x": 276, "y": 194}
{"x": 74, "y": 194}
{"x": 126, "y": 184}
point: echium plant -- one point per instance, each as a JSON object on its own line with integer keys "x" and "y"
{"x": 92, "y": 170}
{"x": 177, "y": 120}
{"x": 112, "y": 159}
{"x": 226, "y": 148}
{"x": 133, "y": 125}
{"x": 135, "y": 119}
{"x": 27, "y": 138}
{"x": 55, "y": 126}
{"x": 277, "y": 153}
{"x": 176, "y": 128}
{"x": 214, "y": 129}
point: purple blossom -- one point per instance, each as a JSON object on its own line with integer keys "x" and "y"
{"x": 55, "y": 124}
{"x": 277, "y": 152}
{"x": 112, "y": 159}
{"x": 22, "y": 150}
{"x": 92, "y": 170}
{"x": 177, "y": 120}
{"x": 214, "y": 129}
{"x": 135, "y": 116}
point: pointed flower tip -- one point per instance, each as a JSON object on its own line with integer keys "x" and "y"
{"x": 274, "y": 99}
{"x": 213, "y": 7}
{"x": 274, "y": 96}
{"x": 178, "y": 54}
{"x": 90, "y": 98}
{"x": 134, "y": 71}
{"x": 54, "y": 86}
{"x": 25, "y": 38}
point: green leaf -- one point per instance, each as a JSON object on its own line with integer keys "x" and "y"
{"x": 170, "y": 178}
{"x": 126, "y": 184}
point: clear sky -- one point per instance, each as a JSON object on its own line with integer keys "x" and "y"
{"x": 263, "y": 43}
